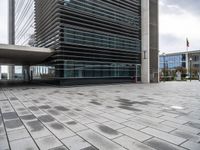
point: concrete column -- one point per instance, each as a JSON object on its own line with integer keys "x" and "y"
{"x": 11, "y": 72}
{"x": 11, "y": 22}
{"x": 0, "y": 72}
{"x": 11, "y": 33}
{"x": 145, "y": 68}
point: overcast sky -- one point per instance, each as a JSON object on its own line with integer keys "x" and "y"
{"x": 179, "y": 19}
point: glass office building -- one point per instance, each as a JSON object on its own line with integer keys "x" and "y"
{"x": 24, "y": 22}
{"x": 173, "y": 61}
{"x": 93, "y": 39}
{"x": 25, "y": 31}
{"x": 183, "y": 60}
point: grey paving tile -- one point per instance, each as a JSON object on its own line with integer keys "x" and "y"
{"x": 13, "y": 124}
{"x": 28, "y": 117}
{"x": 153, "y": 119}
{"x": 176, "y": 120}
{"x": 3, "y": 142}
{"x": 104, "y": 130}
{"x": 18, "y": 134}
{"x": 10, "y": 115}
{"x": 89, "y": 148}
{"x": 74, "y": 105}
{"x": 134, "y": 125}
{"x": 63, "y": 118}
{"x": 37, "y": 129}
{"x": 2, "y": 130}
{"x": 186, "y": 135}
{"x": 53, "y": 112}
{"x": 169, "y": 114}
{"x": 140, "y": 136}
{"x": 188, "y": 118}
{"x": 59, "y": 130}
{"x": 46, "y": 118}
{"x": 182, "y": 127}
{"x": 96, "y": 118}
{"x": 113, "y": 118}
{"x": 131, "y": 144}
{"x": 121, "y": 115}
{"x": 113, "y": 125}
{"x": 59, "y": 148}
{"x": 84, "y": 120}
{"x": 75, "y": 126}
{"x": 99, "y": 141}
{"x": 48, "y": 142}
{"x": 23, "y": 144}
{"x": 163, "y": 135}
{"x": 159, "y": 144}
{"x": 152, "y": 124}
{"x": 92, "y": 110}
{"x": 75, "y": 143}
{"x": 191, "y": 145}
{"x": 194, "y": 124}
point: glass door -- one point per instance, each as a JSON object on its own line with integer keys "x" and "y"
{"x": 138, "y": 73}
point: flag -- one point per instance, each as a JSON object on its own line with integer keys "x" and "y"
{"x": 187, "y": 43}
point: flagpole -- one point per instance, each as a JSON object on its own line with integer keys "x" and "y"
{"x": 187, "y": 56}
{"x": 187, "y": 44}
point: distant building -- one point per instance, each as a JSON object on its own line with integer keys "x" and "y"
{"x": 173, "y": 61}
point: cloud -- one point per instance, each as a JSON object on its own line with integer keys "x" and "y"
{"x": 191, "y": 6}
{"x": 176, "y": 23}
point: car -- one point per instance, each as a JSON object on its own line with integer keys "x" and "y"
{"x": 187, "y": 77}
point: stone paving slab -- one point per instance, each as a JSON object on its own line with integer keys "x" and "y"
{"x": 165, "y": 136}
{"x": 23, "y": 144}
{"x": 99, "y": 141}
{"x": 159, "y": 144}
{"x": 140, "y": 136}
{"x": 75, "y": 142}
{"x": 163, "y": 116}
{"x": 191, "y": 145}
{"x": 132, "y": 144}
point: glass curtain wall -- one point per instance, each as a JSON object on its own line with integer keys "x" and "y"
{"x": 173, "y": 61}
{"x": 24, "y": 22}
{"x": 92, "y": 39}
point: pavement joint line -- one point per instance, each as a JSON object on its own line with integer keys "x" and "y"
{"x": 173, "y": 130}
{"x": 25, "y": 97}
{"x": 46, "y": 128}
{"x": 183, "y": 142}
{"x": 64, "y": 125}
{"x": 6, "y": 133}
{"x": 22, "y": 123}
{"x": 148, "y": 139}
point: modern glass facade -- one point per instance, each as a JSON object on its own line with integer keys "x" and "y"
{"x": 173, "y": 61}
{"x": 195, "y": 59}
{"x": 93, "y": 39}
{"x": 24, "y": 22}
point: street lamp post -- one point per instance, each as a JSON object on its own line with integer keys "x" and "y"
{"x": 164, "y": 66}
{"x": 190, "y": 69}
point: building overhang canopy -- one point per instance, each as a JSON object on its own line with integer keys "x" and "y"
{"x": 23, "y": 55}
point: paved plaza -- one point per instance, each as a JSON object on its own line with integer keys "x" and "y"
{"x": 163, "y": 116}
